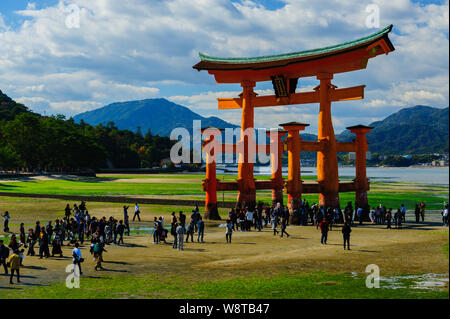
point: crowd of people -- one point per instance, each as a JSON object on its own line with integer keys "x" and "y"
{"x": 78, "y": 226}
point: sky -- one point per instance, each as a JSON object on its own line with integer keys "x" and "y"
{"x": 68, "y": 57}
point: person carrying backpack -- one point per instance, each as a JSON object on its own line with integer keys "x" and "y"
{"x": 77, "y": 259}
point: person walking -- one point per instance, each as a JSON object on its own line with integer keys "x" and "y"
{"x": 14, "y": 264}
{"x": 126, "y": 224}
{"x": 445, "y": 215}
{"x": 4, "y": 254}
{"x": 6, "y": 218}
{"x": 182, "y": 220}
{"x": 31, "y": 241}
{"x": 125, "y": 211}
{"x": 173, "y": 230}
{"x": 346, "y": 230}
{"x": 98, "y": 255}
{"x": 120, "y": 230}
{"x": 180, "y": 236}
{"x": 190, "y": 232}
{"x": 403, "y": 210}
{"x": 67, "y": 211}
{"x": 77, "y": 259}
{"x": 248, "y": 220}
{"x": 417, "y": 213}
{"x": 324, "y": 227}
{"x": 136, "y": 212}
{"x": 43, "y": 244}
{"x": 389, "y": 218}
{"x": 228, "y": 231}
{"x": 156, "y": 230}
{"x": 22, "y": 236}
{"x": 275, "y": 222}
{"x": 422, "y": 210}
{"x": 359, "y": 212}
{"x": 283, "y": 227}
{"x": 398, "y": 219}
{"x": 201, "y": 229}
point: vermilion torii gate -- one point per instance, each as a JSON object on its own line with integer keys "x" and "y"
{"x": 284, "y": 70}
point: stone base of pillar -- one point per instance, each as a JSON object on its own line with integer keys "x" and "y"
{"x": 366, "y": 211}
{"x": 277, "y": 196}
{"x": 211, "y": 212}
{"x": 329, "y": 200}
{"x": 294, "y": 203}
{"x": 246, "y": 198}
{"x": 249, "y": 204}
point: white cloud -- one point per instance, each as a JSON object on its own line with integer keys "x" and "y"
{"x": 127, "y": 50}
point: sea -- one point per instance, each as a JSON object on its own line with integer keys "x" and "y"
{"x": 422, "y": 175}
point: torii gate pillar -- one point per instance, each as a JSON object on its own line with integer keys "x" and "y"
{"x": 294, "y": 182}
{"x": 277, "y": 168}
{"x": 361, "y": 181}
{"x": 327, "y": 163}
{"x": 246, "y": 182}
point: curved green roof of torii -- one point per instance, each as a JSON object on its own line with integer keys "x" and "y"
{"x": 301, "y": 54}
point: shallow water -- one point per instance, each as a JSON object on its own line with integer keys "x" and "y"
{"x": 423, "y": 175}
{"x": 426, "y": 281}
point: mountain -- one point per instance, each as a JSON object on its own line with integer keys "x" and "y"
{"x": 414, "y": 130}
{"x": 159, "y": 115}
{"x": 10, "y": 108}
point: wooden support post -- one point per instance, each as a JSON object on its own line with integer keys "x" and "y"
{"x": 210, "y": 184}
{"x": 276, "y": 166}
{"x": 294, "y": 182}
{"x": 327, "y": 164}
{"x": 361, "y": 181}
{"x": 247, "y": 190}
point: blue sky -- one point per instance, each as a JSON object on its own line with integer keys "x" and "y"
{"x": 127, "y": 50}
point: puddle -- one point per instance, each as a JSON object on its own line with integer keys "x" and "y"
{"x": 145, "y": 229}
{"x": 425, "y": 281}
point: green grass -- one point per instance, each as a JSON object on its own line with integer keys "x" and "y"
{"x": 445, "y": 249}
{"x": 287, "y": 286}
{"x": 388, "y": 194}
{"x": 95, "y": 188}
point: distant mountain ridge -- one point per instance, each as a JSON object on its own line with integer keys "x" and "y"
{"x": 415, "y": 130}
{"x": 159, "y": 115}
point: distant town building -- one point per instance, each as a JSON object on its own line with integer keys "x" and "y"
{"x": 352, "y": 156}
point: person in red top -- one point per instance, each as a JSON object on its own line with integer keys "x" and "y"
{"x": 324, "y": 227}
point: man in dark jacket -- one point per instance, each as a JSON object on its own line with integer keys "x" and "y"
{"x": 182, "y": 220}
{"x": 346, "y": 230}
{"x": 324, "y": 229}
{"x": 4, "y": 254}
